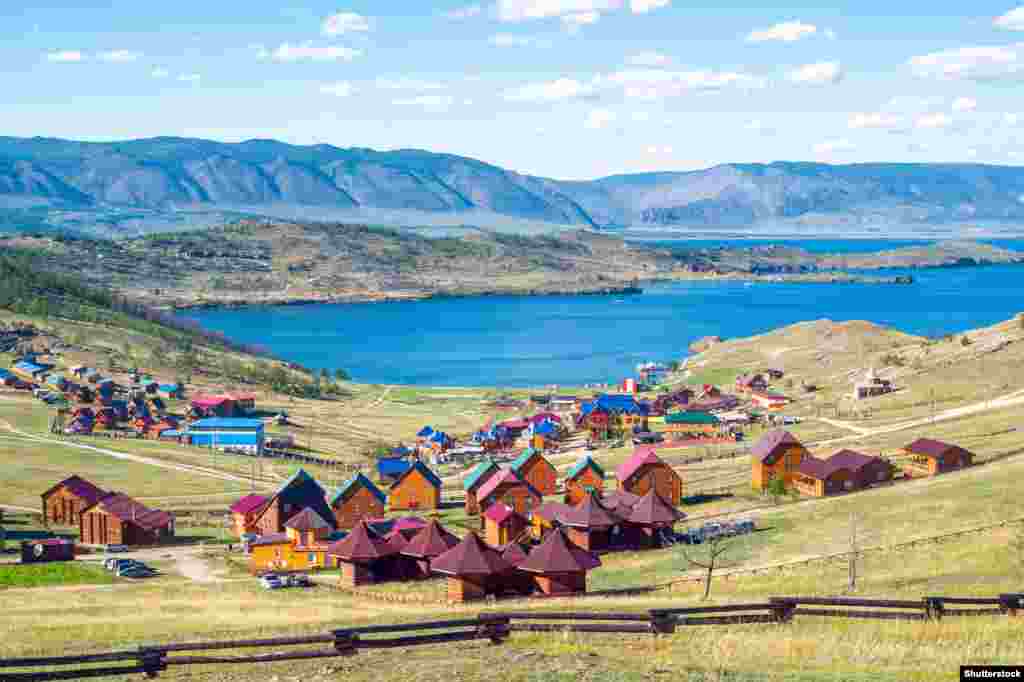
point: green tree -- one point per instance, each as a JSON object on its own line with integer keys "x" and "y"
{"x": 776, "y": 489}
{"x": 341, "y": 375}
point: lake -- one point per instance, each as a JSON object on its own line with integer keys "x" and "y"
{"x": 509, "y": 341}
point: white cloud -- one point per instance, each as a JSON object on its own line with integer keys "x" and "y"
{"x": 511, "y": 40}
{"x": 345, "y": 22}
{"x": 434, "y": 103}
{"x": 189, "y": 78}
{"x": 833, "y": 146}
{"x": 1012, "y": 119}
{"x": 599, "y": 118}
{"x": 640, "y": 116}
{"x": 408, "y": 84}
{"x": 65, "y": 56}
{"x": 787, "y": 32}
{"x": 649, "y": 84}
{"x": 551, "y": 91}
{"x": 644, "y": 6}
{"x": 339, "y": 89}
{"x": 756, "y": 125}
{"x": 647, "y": 59}
{"x": 933, "y": 121}
{"x": 307, "y": 52}
{"x": 654, "y": 150}
{"x": 917, "y": 148}
{"x": 525, "y": 10}
{"x": 963, "y": 104}
{"x": 1011, "y": 21}
{"x": 972, "y": 63}
{"x": 573, "y": 22}
{"x": 820, "y": 73}
{"x": 830, "y": 34}
{"x": 972, "y": 153}
{"x": 467, "y": 12}
{"x": 159, "y": 73}
{"x": 878, "y": 119}
{"x": 119, "y": 56}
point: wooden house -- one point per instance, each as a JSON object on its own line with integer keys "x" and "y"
{"x": 613, "y": 415}
{"x": 536, "y": 470}
{"x": 776, "y": 455}
{"x": 932, "y": 457}
{"x": 590, "y": 525}
{"x": 357, "y": 499}
{"x": 502, "y": 525}
{"x": 417, "y": 488}
{"x": 117, "y": 519}
{"x": 300, "y": 491}
{"x": 427, "y": 544}
{"x": 479, "y": 475}
{"x": 644, "y": 471}
{"x": 364, "y": 556}
{"x": 691, "y": 424}
{"x": 584, "y": 476}
{"x": 748, "y": 383}
{"x": 508, "y": 488}
{"x": 302, "y": 547}
{"x": 558, "y": 566}
{"x": 769, "y": 401}
{"x": 473, "y": 569}
{"x": 213, "y": 406}
{"x": 843, "y": 472}
{"x": 63, "y": 503}
{"x": 651, "y": 521}
{"x": 244, "y": 512}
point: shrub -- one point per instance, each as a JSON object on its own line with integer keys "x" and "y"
{"x": 965, "y": 340}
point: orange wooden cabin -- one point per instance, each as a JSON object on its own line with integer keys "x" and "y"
{"x": 932, "y": 457}
{"x": 244, "y": 513}
{"x": 508, "y": 488}
{"x": 645, "y": 471}
{"x": 777, "y": 455}
{"x": 63, "y": 503}
{"x": 536, "y": 470}
{"x": 357, "y": 499}
{"x": 584, "y": 476}
{"x": 417, "y": 488}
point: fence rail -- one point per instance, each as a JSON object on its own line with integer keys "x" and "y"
{"x": 497, "y": 627}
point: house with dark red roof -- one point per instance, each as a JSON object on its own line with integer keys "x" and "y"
{"x": 644, "y": 471}
{"x": 63, "y": 503}
{"x": 590, "y": 524}
{"x": 427, "y": 544}
{"x": 843, "y": 472}
{"x": 117, "y": 519}
{"x": 364, "y": 556}
{"x": 507, "y": 487}
{"x": 473, "y": 568}
{"x": 503, "y": 524}
{"x": 650, "y": 519}
{"x": 244, "y": 512}
{"x": 558, "y": 566}
{"x": 776, "y": 455}
{"x": 929, "y": 457}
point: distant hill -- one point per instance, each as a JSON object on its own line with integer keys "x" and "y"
{"x": 140, "y": 183}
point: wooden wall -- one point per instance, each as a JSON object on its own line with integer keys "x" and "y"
{"x": 541, "y": 474}
{"x": 362, "y": 504}
{"x": 785, "y": 465}
{"x": 62, "y": 507}
{"x": 661, "y": 477}
{"x": 575, "y": 489}
{"x": 414, "y": 492}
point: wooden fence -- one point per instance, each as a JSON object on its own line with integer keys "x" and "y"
{"x": 496, "y": 628}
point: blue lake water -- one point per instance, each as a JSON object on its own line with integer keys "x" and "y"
{"x": 814, "y": 245}
{"x": 571, "y": 340}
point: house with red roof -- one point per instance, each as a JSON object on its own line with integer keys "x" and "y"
{"x": 644, "y": 471}
{"x": 929, "y": 457}
{"x": 427, "y": 544}
{"x": 63, "y": 503}
{"x": 510, "y": 489}
{"x": 474, "y": 569}
{"x": 244, "y": 512}
{"x": 776, "y": 455}
{"x": 843, "y": 472}
{"x": 117, "y": 519}
{"x": 558, "y": 566}
{"x": 365, "y": 556}
{"x": 503, "y": 524}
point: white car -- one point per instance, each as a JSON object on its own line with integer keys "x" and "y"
{"x": 271, "y": 582}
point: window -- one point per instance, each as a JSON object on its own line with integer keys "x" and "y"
{"x": 311, "y": 557}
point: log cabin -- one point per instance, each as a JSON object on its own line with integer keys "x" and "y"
{"x": 585, "y": 475}
{"x": 843, "y": 472}
{"x": 63, "y": 503}
{"x": 590, "y": 525}
{"x": 644, "y": 470}
{"x": 302, "y": 547}
{"x": 418, "y": 488}
{"x": 117, "y": 519}
{"x": 536, "y": 470}
{"x": 508, "y": 488}
{"x": 476, "y": 478}
{"x": 502, "y": 525}
{"x": 300, "y": 491}
{"x": 244, "y": 512}
{"x": 776, "y": 455}
{"x": 651, "y": 521}
{"x": 931, "y": 457}
{"x": 357, "y": 499}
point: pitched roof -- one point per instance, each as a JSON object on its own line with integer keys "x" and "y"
{"x": 271, "y": 539}
{"x": 816, "y": 468}
{"x": 620, "y": 501}
{"x": 248, "y": 504}
{"x": 652, "y": 509}
{"x": 502, "y": 477}
{"x": 392, "y": 466}
{"x": 642, "y": 456}
{"x": 128, "y": 510}
{"x": 558, "y": 555}
{"x": 930, "y": 447}
{"x": 545, "y": 416}
{"x": 425, "y": 431}
{"x": 515, "y": 423}
{"x": 589, "y": 513}
{"x": 80, "y": 487}
{"x": 688, "y": 417}
{"x": 300, "y": 491}
{"x": 431, "y": 541}
{"x": 513, "y": 553}
{"x": 524, "y": 457}
{"x": 353, "y": 484}
{"x": 408, "y": 523}
{"x": 499, "y": 513}
{"x": 583, "y": 463}
{"x": 361, "y": 545}
{"x": 307, "y": 519}
{"x": 552, "y": 510}
{"x": 479, "y": 474}
{"x": 851, "y": 460}
{"x": 768, "y": 445}
{"x": 471, "y": 557}
{"x": 424, "y": 471}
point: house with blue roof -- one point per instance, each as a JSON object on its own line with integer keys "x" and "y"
{"x": 389, "y": 469}
{"x": 226, "y": 433}
{"x": 417, "y": 488}
{"x": 612, "y": 415}
{"x": 30, "y": 371}
{"x": 356, "y": 499}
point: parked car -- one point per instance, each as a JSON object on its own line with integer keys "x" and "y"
{"x": 129, "y": 566}
{"x": 271, "y": 582}
{"x": 116, "y": 548}
{"x": 112, "y": 564}
{"x": 299, "y": 580}
{"x": 140, "y": 571}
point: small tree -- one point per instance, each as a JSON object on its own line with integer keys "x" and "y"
{"x": 776, "y": 489}
{"x": 710, "y": 555}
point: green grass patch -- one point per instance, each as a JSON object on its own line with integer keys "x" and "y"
{"x": 55, "y": 573}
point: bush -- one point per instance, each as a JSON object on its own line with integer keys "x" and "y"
{"x": 965, "y": 340}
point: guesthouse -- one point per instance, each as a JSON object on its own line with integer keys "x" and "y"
{"x": 585, "y": 475}
{"x": 64, "y": 502}
{"x": 297, "y": 493}
{"x": 503, "y": 524}
{"x": 427, "y": 544}
{"x": 929, "y": 457}
{"x": 477, "y": 476}
{"x": 244, "y": 512}
{"x": 417, "y": 488}
{"x": 509, "y": 488}
{"x": 776, "y": 455}
{"x": 472, "y": 569}
{"x": 558, "y": 566}
{"x": 227, "y": 433}
{"x": 533, "y": 468}
{"x": 301, "y": 547}
{"x": 644, "y": 471}
{"x": 117, "y": 519}
{"x": 364, "y": 556}
{"x": 357, "y": 499}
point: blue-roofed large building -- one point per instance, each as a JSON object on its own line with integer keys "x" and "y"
{"x": 390, "y": 469}
{"x": 613, "y": 414}
{"x": 223, "y": 433}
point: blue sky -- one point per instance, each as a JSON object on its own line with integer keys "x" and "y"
{"x": 561, "y": 88}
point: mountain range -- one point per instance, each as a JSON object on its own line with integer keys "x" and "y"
{"x": 42, "y": 176}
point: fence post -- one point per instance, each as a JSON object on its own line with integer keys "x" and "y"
{"x": 934, "y": 608}
{"x": 152, "y": 661}
{"x": 662, "y": 623}
{"x": 782, "y": 609}
{"x": 494, "y": 626}
{"x": 345, "y": 642}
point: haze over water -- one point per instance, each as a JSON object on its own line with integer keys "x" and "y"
{"x": 512, "y": 341}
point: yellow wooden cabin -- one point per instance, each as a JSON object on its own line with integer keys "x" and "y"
{"x": 777, "y": 455}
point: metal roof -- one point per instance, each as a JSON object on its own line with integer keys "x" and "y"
{"x": 352, "y": 484}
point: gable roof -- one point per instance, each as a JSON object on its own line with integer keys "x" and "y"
{"x": 129, "y": 511}
{"x": 620, "y": 501}
{"x": 248, "y": 504}
{"x": 300, "y": 491}
{"x": 479, "y": 474}
{"x": 931, "y": 447}
{"x": 353, "y": 484}
{"x": 361, "y": 545}
{"x": 504, "y": 476}
{"x": 558, "y": 555}
{"x": 583, "y": 463}
{"x": 589, "y": 513}
{"x": 524, "y": 457}
{"x": 307, "y": 519}
{"x": 766, "y": 448}
{"x": 271, "y": 539}
{"x": 79, "y": 487}
{"x": 392, "y": 466}
{"x": 691, "y": 417}
{"x": 471, "y": 557}
{"x": 424, "y": 470}
{"x": 499, "y": 513}
{"x": 851, "y": 460}
{"x": 642, "y": 456}
{"x": 653, "y": 509}
{"x": 816, "y": 468}
{"x": 431, "y": 541}
{"x": 513, "y": 553}
{"x": 425, "y": 432}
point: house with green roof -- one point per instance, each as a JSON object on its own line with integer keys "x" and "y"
{"x": 691, "y": 423}
{"x": 355, "y": 499}
{"x": 477, "y": 476}
{"x": 535, "y": 469}
{"x": 586, "y": 475}
{"x": 294, "y": 495}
